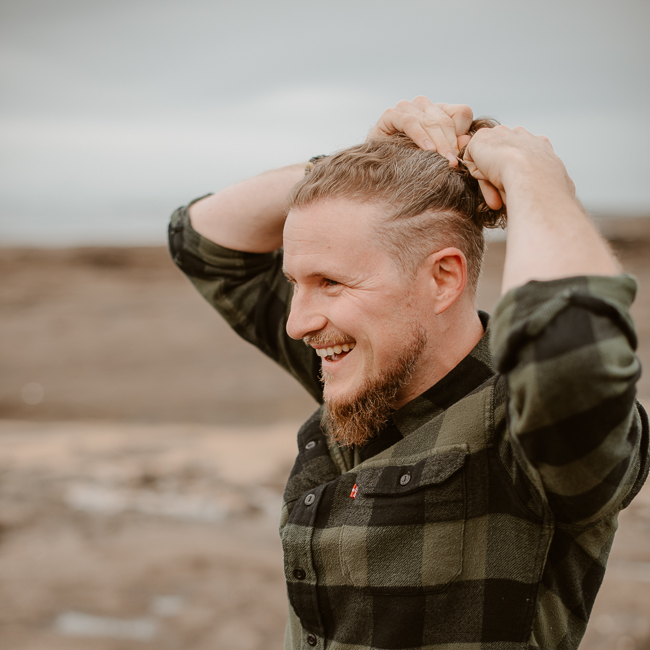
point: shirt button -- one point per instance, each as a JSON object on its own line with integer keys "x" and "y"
{"x": 311, "y": 639}
{"x": 299, "y": 574}
{"x": 309, "y": 499}
{"x": 311, "y": 444}
{"x": 405, "y": 479}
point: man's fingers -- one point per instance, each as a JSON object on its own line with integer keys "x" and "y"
{"x": 471, "y": 165}
{"x": 444, "y": 123}
{"x": 433, "y": 127}
{"x": 462, "y": 116}
{"x": 491, "y": 195}
{"x": 442, "y": 131}
{"x": 402, "y": 120}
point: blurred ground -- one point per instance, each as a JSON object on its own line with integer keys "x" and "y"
{"x": 144, "y": 451}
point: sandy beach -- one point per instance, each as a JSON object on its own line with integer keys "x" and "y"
{"x": 145, "y": 449}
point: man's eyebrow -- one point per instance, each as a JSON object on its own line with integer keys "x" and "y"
{"x": 313, "y": 274}
{"x": 288, "y": 275}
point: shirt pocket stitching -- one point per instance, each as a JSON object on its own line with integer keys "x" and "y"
{"x": 431, "y": 477}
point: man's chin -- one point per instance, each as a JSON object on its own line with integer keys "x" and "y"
{"x": 338, "y": 395}
{"x": 353, "y": 416}
{"x": 355, "y": 421}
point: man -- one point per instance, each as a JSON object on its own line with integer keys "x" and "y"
{"x": 444, "y": 496}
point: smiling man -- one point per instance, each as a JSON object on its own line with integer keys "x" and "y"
{"x": 460, "y": 483}
{"x": 396, "y": 300}
{"x": 349, "y": 303}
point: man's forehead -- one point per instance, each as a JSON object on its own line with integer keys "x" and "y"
{"x": 331, "y": 237}
{"x": 344, "y": 217}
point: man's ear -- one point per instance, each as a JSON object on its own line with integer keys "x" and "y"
{"x": 448, "y": 273}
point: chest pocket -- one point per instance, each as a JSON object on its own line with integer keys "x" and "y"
{"x": 404, "y": 530}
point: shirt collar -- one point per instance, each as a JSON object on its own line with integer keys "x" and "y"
{"x": 469, "y": 374}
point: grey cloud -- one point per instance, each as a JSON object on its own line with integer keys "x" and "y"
{"x": 168, "y": 99}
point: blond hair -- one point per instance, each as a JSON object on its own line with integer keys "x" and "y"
{"x": 429, "y": 204}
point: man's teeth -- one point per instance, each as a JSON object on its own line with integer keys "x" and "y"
{"x": 337, "y": 349}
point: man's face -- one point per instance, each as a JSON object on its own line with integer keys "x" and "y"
{"x": 350, "y": 293}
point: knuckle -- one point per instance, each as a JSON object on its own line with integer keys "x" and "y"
{"x": 482, "y": 134}
{"x": 439, "y": 121}
{"x": 403, "y": 105}
{"x": 410, "y": 120}
{"x": 446, "y": 109}
{"x": 389, "y": 115}
{"x": 464, "y": 111}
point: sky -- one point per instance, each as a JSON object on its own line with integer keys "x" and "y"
{"x": 112, "y": 114}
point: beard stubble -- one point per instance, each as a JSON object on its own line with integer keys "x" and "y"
{"x": 354, "y": 421}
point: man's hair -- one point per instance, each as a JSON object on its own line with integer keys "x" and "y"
{"x": 428, "y": 204}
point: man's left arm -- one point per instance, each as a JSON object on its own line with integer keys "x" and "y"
{"x": 562, "y": 334}
{"x": 566, "y": 350}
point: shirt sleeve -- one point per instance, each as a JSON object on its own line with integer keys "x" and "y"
{"x": 251, "y": 293}
{"x": 566, "y": 349}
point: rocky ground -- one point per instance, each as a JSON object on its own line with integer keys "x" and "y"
{"x": 144, "y": 450}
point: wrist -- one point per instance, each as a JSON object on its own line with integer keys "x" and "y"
{"x": 525, "y": 177}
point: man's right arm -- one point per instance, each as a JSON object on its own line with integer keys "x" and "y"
{"x": 249, "y": 290}
{"x": 250, "y": 215}
{"x": 229, "y": 246}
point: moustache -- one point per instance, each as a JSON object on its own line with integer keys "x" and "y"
{"x": 329, "y": 339}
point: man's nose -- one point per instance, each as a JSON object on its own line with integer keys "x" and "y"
{"x": 304, "y": 317}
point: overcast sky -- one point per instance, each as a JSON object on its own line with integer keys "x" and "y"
{"x": 114, "y": 113}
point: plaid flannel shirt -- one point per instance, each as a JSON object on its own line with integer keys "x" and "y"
{"x": 482, "y": 516}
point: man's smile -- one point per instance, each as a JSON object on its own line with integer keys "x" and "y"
{"x": 330, "y": 346}
{"x": 335, "y": 352}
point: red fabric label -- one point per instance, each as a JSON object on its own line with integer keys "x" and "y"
{"x": 353, "y": 494}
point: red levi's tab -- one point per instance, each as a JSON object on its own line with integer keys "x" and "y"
{"x": 353, "y": 494}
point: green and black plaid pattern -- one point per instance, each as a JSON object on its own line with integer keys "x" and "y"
{"x": 482, "y": 516}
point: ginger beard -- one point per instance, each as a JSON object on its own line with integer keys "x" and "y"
{"x": 355, "y": 419}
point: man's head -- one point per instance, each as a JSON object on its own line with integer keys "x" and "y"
{"x": 427, "y": 204}
{"x": 383, "y": 242}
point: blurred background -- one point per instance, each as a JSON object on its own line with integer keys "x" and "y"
{"x": 144, "y": 447}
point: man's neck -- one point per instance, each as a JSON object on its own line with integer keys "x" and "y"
{"x": 454, "y": 338}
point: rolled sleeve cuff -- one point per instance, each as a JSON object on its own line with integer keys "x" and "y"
{"x": 524, "y": 312}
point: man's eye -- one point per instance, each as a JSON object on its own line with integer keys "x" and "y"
{"x": 329, "y": 283}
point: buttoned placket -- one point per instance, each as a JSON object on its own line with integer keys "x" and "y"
{"x": 299, "y": 566}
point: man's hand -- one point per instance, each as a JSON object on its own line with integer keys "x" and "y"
{"x": 433, "y": 127}
{"x": 549, "y": 234}
{"x": 501, "y": 157}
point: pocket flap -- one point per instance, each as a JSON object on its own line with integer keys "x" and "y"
{"x": 402, "y": 479}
